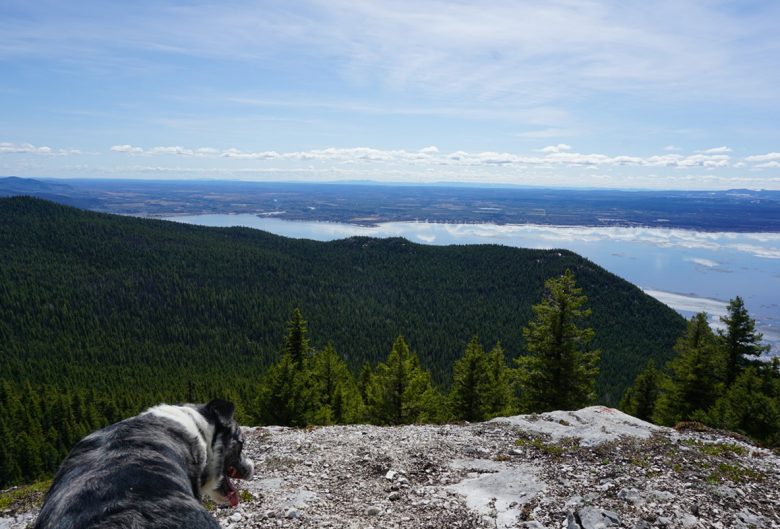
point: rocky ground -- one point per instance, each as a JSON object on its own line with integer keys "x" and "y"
{"x": 594, "y": 468}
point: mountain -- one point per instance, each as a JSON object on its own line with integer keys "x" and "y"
{"x": 48, "y": 190}
{"x": 113, "y": 302}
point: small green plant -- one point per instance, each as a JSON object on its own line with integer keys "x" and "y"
{"x": 555, "y": 450}
{"x": 716, "y": 449}
{"x": 734, "y": 473}
{"x": 245, "y": 495}
{"x": 24, "y": 497}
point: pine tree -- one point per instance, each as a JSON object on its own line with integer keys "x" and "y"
{"x": 284, "y": 398}
{"x": 337, "y": 399}
{"x": 470, "y": 383}
{"x": 740, "y": 339}
{"x": 751, "y": 405}
{"x": 559, "y": 372}
{"x": 499, "y": 398}
{"x": 9, "y": 467}
{"x": 296, "y": 343}
{"x": 364, "y": 381}
{"x": 694, "y": 382}
{"x": 400, "y": 391}
{"x": 639, "y": 399}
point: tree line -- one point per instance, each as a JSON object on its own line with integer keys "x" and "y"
{"x": 716, "y": 379}
{"x": 308, "y": 386}
{"x": 100, "y": 301}
{"x": 558, "y": 372}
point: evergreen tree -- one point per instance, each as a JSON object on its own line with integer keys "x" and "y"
{"x": 559, "y": 372}
{"x": 639, "y": 400}
{"x": 337, "y": 399}
{"x": 499, "y": 398}
{"x": 364, "y": 380}
{"x": 284, "y": 398}
{"x": 400, "y": 391}
{"x": 694, "y": 382}
{"x": 9, "y": 467}
{"x": 740, "y": 339}
{"x": 296, "y": 343}
{"x": 751, "y": 405}
{"x": 470, "y": 383}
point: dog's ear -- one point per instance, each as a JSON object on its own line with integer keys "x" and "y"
{"x": 222, "y": 410}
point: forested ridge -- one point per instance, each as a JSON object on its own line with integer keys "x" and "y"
{"x": 101, "y": 315}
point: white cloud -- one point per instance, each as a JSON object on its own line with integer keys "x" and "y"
{"x": 768, "y": 165}
{"x": 504, "y": 51}
{"x": 26, "y": 148}
{"x": 554, "y": 155}
{"x": 561, "y": 147}
{"x": 127, "y": 149}
{"x": 672, "y": 148}
{"x": 769, "y": 157}
{"x": 716, "y": 150}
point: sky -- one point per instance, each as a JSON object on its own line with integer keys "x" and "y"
{"x": 679, "y": 94}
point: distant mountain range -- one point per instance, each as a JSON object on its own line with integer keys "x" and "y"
{"x": 371, "y": 203}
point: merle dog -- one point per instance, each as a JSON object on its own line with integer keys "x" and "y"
{"x": 149, "y": 471}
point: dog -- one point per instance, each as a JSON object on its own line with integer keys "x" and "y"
{"x": 150, "y": 471}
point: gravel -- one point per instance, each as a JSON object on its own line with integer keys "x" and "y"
{"x": 504, "y": 473}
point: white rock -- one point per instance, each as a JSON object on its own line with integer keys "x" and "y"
{"x": 593, "y": 425}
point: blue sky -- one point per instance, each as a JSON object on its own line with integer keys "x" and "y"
{"x": 627, "y": 94}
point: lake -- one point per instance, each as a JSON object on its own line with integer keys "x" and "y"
{"x": 688, "y": 270}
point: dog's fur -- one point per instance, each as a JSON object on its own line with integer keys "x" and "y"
{"x": 150, "y": 471}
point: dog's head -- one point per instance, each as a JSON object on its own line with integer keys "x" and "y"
{"x": 228, "y": 461}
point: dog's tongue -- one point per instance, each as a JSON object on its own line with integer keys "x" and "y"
{"x": 231, "y": 493}
{"x": 233, "y": 498}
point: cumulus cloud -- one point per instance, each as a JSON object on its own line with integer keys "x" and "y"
{"x": 561, "y": 147}
{"x": 552, "y": 156}
{"x": 174, "y": 151}
{"x": 127, "y": 149}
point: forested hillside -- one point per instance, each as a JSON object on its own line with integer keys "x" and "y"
{"x": 111, "y": 313}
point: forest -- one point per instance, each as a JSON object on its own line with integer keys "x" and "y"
{"x": 716, "y": 379}
{"x": 102, "y": 315}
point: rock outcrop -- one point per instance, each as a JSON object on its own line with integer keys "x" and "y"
{"x": 590, "y": 469}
